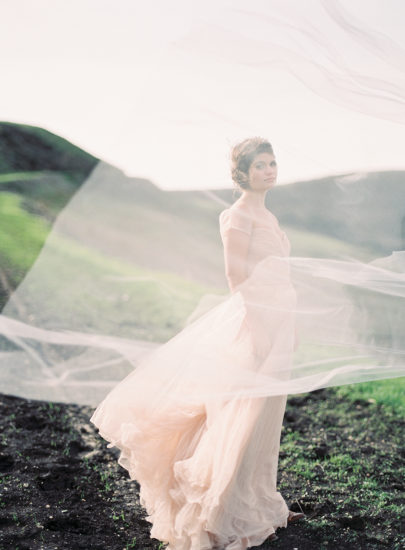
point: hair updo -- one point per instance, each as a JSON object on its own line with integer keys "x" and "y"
{"x": 242, "y": 156}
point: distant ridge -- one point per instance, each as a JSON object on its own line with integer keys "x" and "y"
{"x": 359, "y": 215}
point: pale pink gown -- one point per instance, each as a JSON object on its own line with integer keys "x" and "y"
{"x": 207, "y": 468}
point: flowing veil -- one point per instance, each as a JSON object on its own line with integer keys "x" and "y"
{"x": 132, "y": 276}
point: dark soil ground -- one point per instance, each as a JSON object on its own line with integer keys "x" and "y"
{"x": 341, "y": 462}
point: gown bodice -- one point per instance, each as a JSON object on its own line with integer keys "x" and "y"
{"x": 268, "y": 242}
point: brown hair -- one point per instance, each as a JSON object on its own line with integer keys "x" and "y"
{"x": 242, "y": 156}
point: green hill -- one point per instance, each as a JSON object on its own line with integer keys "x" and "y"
{"x": 26, "y": 148}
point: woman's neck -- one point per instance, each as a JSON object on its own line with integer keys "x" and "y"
{"x": 254, "y": 200}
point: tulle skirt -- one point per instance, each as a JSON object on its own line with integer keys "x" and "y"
{"x": 206, "y": 460}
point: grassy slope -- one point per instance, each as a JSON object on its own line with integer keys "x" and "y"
{"x": 160, "y": 299}
{"x": 39, "y": 172}
{"x": 24, "y": 231}
{"x": 22, "y": 235}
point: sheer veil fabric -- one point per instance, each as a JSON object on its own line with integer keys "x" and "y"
{"x": 127, "y": 305}
{"x": 127, "y": 266}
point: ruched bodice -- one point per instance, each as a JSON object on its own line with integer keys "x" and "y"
{"x": 267, "y": 241}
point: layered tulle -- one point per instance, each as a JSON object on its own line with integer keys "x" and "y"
{"x": 207, "y": 466}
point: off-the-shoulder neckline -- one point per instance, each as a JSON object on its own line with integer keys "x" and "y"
{"x": 251, "y": 210}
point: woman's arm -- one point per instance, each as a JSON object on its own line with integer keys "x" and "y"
{"x": 236, "y": 247}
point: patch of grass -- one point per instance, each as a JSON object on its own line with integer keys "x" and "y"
{"x": 22, "y": 234}
{"x": 143, "y": 303}
{"x": 340, "y": 462}
{"x": 20, "y": 176}
{"x": 389, "y": 392}
{"x": 128, "y": 301}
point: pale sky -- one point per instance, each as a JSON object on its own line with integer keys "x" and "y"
{"x": 163, "y": 89}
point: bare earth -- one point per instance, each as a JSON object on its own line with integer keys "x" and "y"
{"x": 341, "y": 463}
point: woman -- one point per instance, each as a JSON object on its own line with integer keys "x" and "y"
{"x": 207, "y": 463}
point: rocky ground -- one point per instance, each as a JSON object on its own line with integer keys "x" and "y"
{"x": 341, "y": 462}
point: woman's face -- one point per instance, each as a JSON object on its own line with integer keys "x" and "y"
{"x": 263, "y": 172}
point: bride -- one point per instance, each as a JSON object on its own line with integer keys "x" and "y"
{"x": 207, "y": 465}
